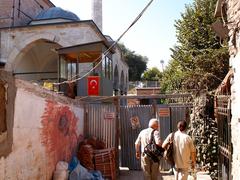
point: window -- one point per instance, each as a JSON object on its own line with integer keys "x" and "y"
{"x": 68, "y": 69}
{"x": 107, "y": 67}
{"x": 63, "y": 70}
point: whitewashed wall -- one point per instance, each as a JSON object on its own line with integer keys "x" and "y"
{"x": 39, "y": 138}
{"x": 233, "y": 18}
{"x": 235, "y": 122}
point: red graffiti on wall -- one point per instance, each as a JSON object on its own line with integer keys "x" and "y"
{"x": 58, "y": 133}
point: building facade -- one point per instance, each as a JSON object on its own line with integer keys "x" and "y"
{"x": 229, "y": 12}
{"x": 42, "y": 44}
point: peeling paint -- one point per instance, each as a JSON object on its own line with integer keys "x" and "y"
{"x": 58, "y": 132}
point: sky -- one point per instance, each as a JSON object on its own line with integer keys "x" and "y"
{"x": 152, "y": 36}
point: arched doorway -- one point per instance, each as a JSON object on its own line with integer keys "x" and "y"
{"x": 122, "y": 83}
{"x": 116, "y": 81}
{"x": 37, "y": 62}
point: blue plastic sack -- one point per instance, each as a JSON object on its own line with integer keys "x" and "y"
{"x": 73, "y": 164}
{"x": 97, "y": 175}
{"x": 80, "y": 173}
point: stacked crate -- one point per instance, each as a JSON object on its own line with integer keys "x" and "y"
{"x": 85, "y": 155}
{"x": 105, "y": 162}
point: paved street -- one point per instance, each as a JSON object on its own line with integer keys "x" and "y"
{"x": 137, "y": 175}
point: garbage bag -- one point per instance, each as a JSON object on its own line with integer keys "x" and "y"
{"x": 73, "y": 163}
{"x": 61, "y": 172}
{"x": 80, "y": 173}
{"x": 97, "y": 175}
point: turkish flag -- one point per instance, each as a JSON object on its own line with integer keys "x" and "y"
{"x": 93, "y": 85}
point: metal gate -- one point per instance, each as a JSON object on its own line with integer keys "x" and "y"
{"x": 168, "y": 116}
{"x": 223, "y": 113}
{"x": 135, "y": 118}
{"x": 100, "y": 122}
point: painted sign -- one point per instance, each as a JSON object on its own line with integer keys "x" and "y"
{"x": 135, "y": 123}
{"x": 164, "y": 112}
{"x": 109, "y": 115}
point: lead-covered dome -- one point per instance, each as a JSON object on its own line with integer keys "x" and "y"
{"x": 56, "y": 13}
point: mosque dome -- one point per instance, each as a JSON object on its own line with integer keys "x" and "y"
{"x": 56, "y": 13}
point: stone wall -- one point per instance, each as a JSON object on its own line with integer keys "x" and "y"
{"x": 122, "y": 70}
{"x": 47, "y": 128}
{"x": 16, "y": 41}
{"x": 6, "y": 134}
{"x": 20, "y": 12}
{"x": 233, "y": 23}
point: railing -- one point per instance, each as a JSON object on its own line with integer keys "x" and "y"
{"x": 142, "y": 84}
{"x": 223, "y": 115}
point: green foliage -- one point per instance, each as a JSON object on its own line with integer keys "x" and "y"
{"x": 205, "y": 134}
{"x": 198, "y": 60}
{"x": 172, "y": 77}
{"x": 152, "y": 74}
{"x": 137, "y": 63}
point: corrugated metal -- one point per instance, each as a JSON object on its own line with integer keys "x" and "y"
{"x": 98, "y": 125}
{"x": 165, "y": 129}
{"x": 178, "y": 113}
{"x": 105, "y": 129}
{"x": 168, "y": 124}
{"x": 129, "y": 135}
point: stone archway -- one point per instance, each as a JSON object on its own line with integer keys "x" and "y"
{"x": 26, "y": 41}
{"x": 37, "y": 61}
{"x": 122, "y": 83}
{"x": 116, "y": 79}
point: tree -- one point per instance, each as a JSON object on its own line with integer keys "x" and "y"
{"x": 201, "y": 60}
{"x": 137, "y": 63}
{"x": 152, "y": 74}
{"x": 172, "y": 77}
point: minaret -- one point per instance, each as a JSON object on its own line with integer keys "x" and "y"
{"x": 97, "y": 12}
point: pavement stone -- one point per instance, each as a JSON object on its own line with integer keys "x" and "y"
{"x": 138, "y": 175}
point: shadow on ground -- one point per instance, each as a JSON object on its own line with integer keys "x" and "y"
{"x": 138, "y": 175}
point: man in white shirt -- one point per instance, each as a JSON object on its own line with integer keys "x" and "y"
{"x": 150, "y": 168}
{"x": 184, "y": 152}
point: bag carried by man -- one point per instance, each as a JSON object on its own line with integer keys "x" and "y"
{"x": 168, "y": 153}
{"x": 153, "y": 150}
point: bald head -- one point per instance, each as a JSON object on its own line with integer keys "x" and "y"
{"x": 182, "y": 125}
{"x": 153, "y": 123}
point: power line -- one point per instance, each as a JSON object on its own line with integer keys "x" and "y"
{"x": 107, "y": 51}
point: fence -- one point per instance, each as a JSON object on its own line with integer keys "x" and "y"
{"x": 100, "y": 122}
{"x": 223, "y": 114}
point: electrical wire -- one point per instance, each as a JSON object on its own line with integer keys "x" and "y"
{"x": 107, "y": 51}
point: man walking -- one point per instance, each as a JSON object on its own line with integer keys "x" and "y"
{"x": 184, "y": 152}
{"x": 150, "y": 168}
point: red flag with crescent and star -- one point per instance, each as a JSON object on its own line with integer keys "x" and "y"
{"x": 93, "y": 85}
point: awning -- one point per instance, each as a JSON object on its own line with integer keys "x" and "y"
{"x": 88, "y": 52}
